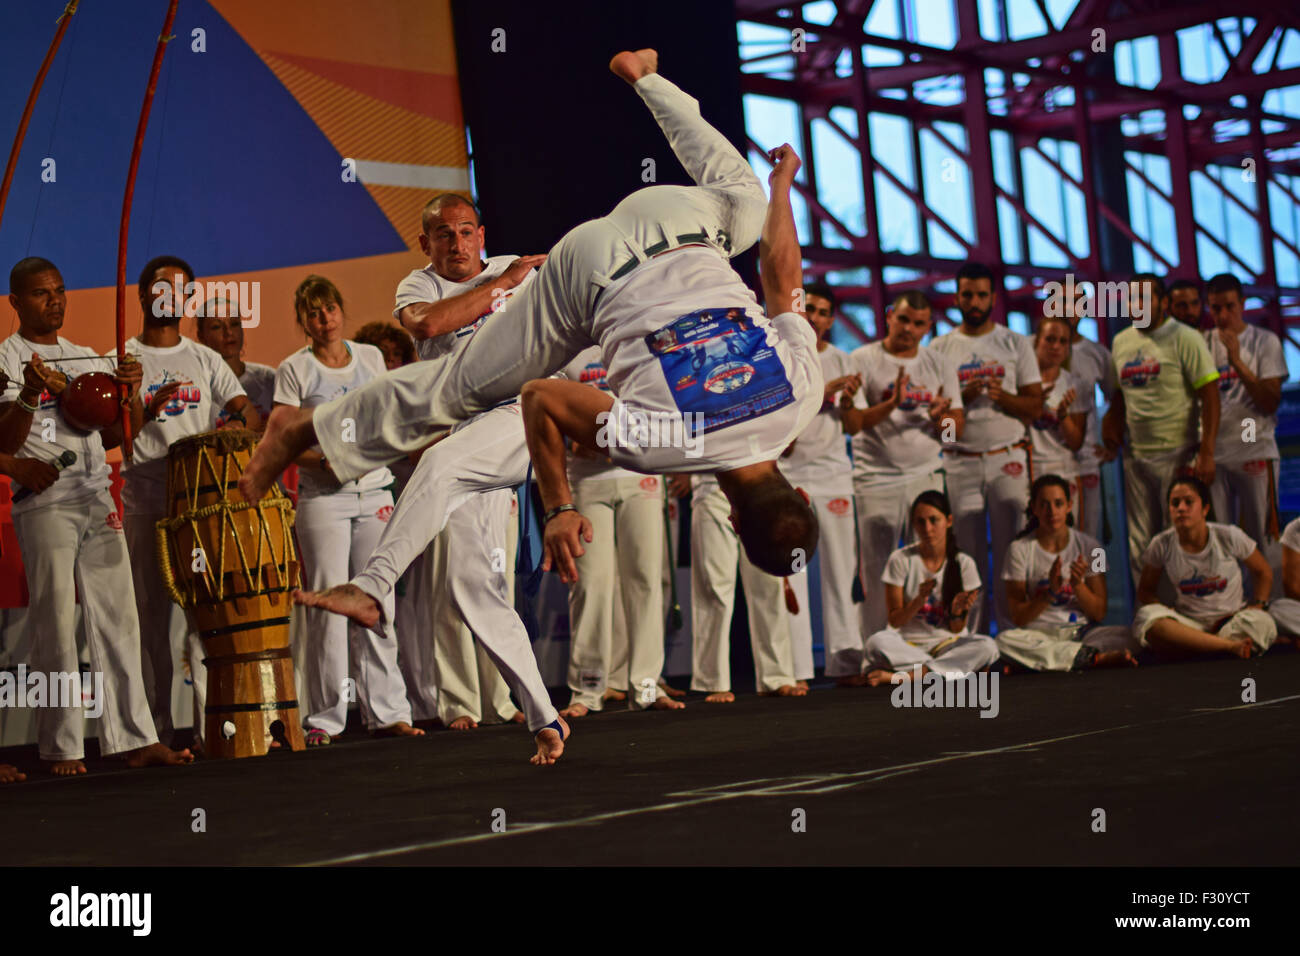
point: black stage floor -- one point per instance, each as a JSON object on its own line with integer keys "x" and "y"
{"x": 1186, "y": 774}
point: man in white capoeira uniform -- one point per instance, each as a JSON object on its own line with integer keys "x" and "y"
{"x": 442, "y": 305}
{"x": 818, "y": 463}
{"x": 987, "y": 471}
{"x": 909, "y": 402}
{"x": 650, "y": 283}
{"x": 1251, "y": 372}
{"x": 71, "y": 536}
{"x": 623, "y": 565}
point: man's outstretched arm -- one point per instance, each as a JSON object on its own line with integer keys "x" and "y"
{"x": 779, "y": 257}
{"x": 555, "y": 409}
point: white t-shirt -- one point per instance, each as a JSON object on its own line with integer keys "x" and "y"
{"x": 259, "y": 386}
{"x": 1030, "y": 563}
{"x": 1051, "y": 454}
{"x": 425, "y": 285}
{"x": 209, "y": 386}
{"x": 1291, "y": 535}
{"x": 1261, "y": 350}
{"x": 906, "y": 569}
{"x": 1208, "y": 583}
{"x": 1090, "y": 364}
{"x": 999, "y": 355}
{"x": 904, "y": 446}
{"x": 683, "y": 334}
{"x": 303, "y": 381}
{"x": 89, "y": 474}
{"x": 820, "y": 463}
{"x": 587, "y": 368}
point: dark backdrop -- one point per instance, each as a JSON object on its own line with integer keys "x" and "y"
{"x": 558, "y": 139}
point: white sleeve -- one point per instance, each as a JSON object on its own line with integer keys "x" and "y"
{"x": 1082, "y": 404}
{"x": 1241, "y": 544}
{"x": 225, "y": 385}
{"x": 416, "y": 287}
{"x": 1026, "y": 362}
{"x": 970, "y": 575}
{"x": 895, "y": 569}
{"x": 1291, "y": 535}
{"x": 1017, "y": 558}
{"x": 1154, "y": 555}
{"x": 13, "y": 369}
{"x": 288, "y": 390}
{"x": 1272, "y": 363}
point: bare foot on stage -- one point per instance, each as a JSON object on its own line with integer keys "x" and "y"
{"x": 802, "y": 685}
{"x": 853, "y": 680}
{"x": 578, "y": 710}
{"x": 632, "y": 66}
{"x": 288, "y": 434}
{"x": 877, "y": 677}
{"x": 64, "y": 768}
{"x": 399, "y": 729}
{"x": 671, "y": 691}
{"x": 617, "y": 695}
{"x": 1242, "y": 648}
{"x": 667, "y": 703}
{"x": 158, "y": 755}
{"x": 10, "y": 774}
{"x": 549, "y": 745}
{"x": 1114, "y": 659}
{"x": 346, "y": 599}
{"x": 785, "y": 690}
{"x": 519, "y": 718}
{"x": 721, "y": 697}
{"x": 463, "y": 723}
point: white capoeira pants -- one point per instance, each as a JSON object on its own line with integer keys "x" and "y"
{"x": 413, "y": 622}
{"x": 1252, "y": 622}
{"x": 1286, "y": 613}
{"x": 469, "y": 685}
{"x": 1244, "y": 494}
{"x": 337, "y": 533}
{"x": 83, "y": 536}
{"x": 1062, "y": 648}
{"x": 1146, "y": 501}
{"x": 991, "y": 489}
{"x": 841, "y": 635}
{"x": 622, "y": 563}
{"x": 884, "y": 525}
{"x": 889, "y": 650}
{"x": 153, "y": 607}
{"x": 551, "y": 319}
{"x": 715, "y": 552}
{"x": 487, "y": 453}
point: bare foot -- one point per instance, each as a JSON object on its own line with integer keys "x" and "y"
{"x": 671, "y": 691}
{"x": 853, "y": 680}
{"x": 157, "y": 755}
{"x": 549, "y": 745}
{"x": 463, "y": 723}
{"x": 610, "y": 694}
{"x": 785, "y": 690}
{"x": 1242, "y": 648}
{"x": 1114, "y": 659}
{"x": 65, "y": 768}
{"x": 9, "y": 774}
{"x": 879, "y": 676}
{"x": 288, "y": 434}
{"x": 667, "y": 703}
{"x": 519, "y": 718}
{"x": 399, "y": 729}
{"x": 346, "y": 599}
{"x": 721, "y": 697}
{"x": 802, "y": 685}
{"x": 577, "y": 710}
{"x": 632, "y": 66}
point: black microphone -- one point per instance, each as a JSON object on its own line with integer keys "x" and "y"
{"x": 66, "y": 460}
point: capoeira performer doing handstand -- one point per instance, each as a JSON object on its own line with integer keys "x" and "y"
{"x": 650, "y": 284}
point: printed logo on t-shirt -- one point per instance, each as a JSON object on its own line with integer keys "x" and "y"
{"x": 1228, "y": 377}
{"x": 384, "y": 513}
{"x": 914, "y": 396}
{"x": 1061, "y": 597}
{"x": 594, "y": 374}
{"x": 1139, "y": 371}
{"x": 1013, "y": 468}
{"x": 113, "y": 520}
{"x": 1047, "y": 421}
{"x": 187, "y": 396}
{"x": 838, "y": 506}
{"x": 932, "y": 610}
{"x": 650, "y": 483}
{"x": 1199, "y": 586}
{"x": 976, "y": 369}
{"x": 718, "y": 365}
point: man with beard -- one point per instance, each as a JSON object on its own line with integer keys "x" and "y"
{"x": 988, "y": 468}
{"x": 1185, "y": 302}
{"x": 909, "y": 399}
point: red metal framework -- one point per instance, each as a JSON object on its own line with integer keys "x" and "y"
{"x": 1204, "y": 128}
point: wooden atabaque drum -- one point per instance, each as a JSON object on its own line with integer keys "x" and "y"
{"x": 232, "y": 565}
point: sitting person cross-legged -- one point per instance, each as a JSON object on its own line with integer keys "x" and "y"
{"x": 1056, "y": 590}
{"x": 930, "y": 589}
{"x": 1203, "y": 558}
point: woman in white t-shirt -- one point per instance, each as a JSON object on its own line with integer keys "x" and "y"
{"x": 1202, "y": 559}
{"x": 1055, "y": 578}
{"x": 1059, "y": 431}
{"x": 930, "y": 591}
{"x": 338, "y": 527}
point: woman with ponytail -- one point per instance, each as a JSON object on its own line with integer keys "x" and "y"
{"x": 930, "y": 592}
{"x": 1056, "y": 590}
